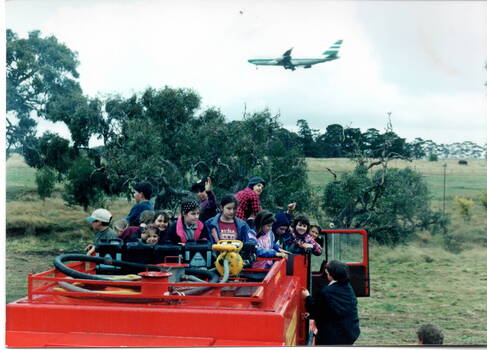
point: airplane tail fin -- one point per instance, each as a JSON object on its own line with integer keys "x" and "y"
{"x": 333, "y": 50}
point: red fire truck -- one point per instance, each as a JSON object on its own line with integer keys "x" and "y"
{"x": 102, "y": 302}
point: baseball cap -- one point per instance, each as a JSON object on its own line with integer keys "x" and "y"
{"x": 101, "y": 214}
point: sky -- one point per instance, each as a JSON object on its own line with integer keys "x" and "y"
{"x": 422, "y": 61}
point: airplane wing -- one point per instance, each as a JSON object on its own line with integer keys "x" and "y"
{"x": 286, "y": 59}
{"x": 288, "y": 53}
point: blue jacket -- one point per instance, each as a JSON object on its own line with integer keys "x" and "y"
{"x": 244, "y": 233}
{"x": 286, "y": 240}
{"x": 134, "y": 215}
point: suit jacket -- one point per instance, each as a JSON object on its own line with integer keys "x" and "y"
{"x": 335, "y": 311}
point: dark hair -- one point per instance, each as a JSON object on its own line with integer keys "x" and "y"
{"x": 254, "y": 181}
{"x": 162, "y": 213}
{"x": 188, "y": 204}
{"x": 338, "y": 271}
{"x": 147, "y": 217}
{"x": 229, "y": 198}
{"x": 302, "y": 219}
{"x": 317, "y": 226}
{"x": 263, "y": 217}
{"x": 430, "y": 334}
{"x": 145, "y": 188}
{"x": 199, "y": 186}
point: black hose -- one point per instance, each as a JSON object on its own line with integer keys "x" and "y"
{"x": 211, "y": 274}
{"x": 60, "y": 259}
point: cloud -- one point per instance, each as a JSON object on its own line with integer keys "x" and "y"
{"x": 401, "y": 57}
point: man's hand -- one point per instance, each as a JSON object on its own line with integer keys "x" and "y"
{"x": 208, "y": 187}
{"x": 305, "y": 293}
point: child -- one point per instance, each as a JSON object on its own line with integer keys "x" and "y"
{"x": 142, "y": 194}
{"x": 133, "y": 233}
{"x": 120, "y": 225}
{"x": 266, "y": 242}
{"x": 249, "y": 199}
{"x": 146, "y": 218}
{"x": 302, "y": 240}
{"x": 150, "y": 235}
{"x": 162, "y": 223}
{"x": 281, "y": 228}
{"x": 100, "y": 221}
{"x": 187, "y": 227}
{"x": 208, "y": 205}
{"x": 315, "y": 233}
{"x": 226, "y": 225}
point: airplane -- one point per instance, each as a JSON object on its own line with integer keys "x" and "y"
{"x": 291, "y": 63}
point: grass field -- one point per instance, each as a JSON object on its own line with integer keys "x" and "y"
{"x": 410, "y": 285}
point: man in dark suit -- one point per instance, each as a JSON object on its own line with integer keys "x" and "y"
{"x": 334, "y": 308}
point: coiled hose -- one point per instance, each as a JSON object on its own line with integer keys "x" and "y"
{"x": 210, "y": 274}
{"x": 60, "y": 259}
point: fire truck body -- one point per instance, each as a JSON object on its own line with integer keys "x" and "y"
{"x": 244, "y": 311}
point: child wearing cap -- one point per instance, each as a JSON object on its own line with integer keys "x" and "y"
{"x": 266, "y": 242}
{"x": 142, "y": 195}
{"x": 187, "y": 227}
{"x": 249, "y": 199}
{"x": 100, "y": 221}
{"x": 208, "y": 204}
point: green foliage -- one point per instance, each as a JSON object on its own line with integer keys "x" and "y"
{"x": 483, "y": 199}
{"x": 37, "y": 69}
{"x": 433, "y": 157}
{"x": 86, "y": 184}
{"x": 464, "y": 207}
{"x": 158, "y": 137}
{"x": 45, "y": 180}
{"x": 390, "y": 203}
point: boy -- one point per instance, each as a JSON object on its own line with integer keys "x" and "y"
{"x": 249, "y": 199}
{"x": 208, "y": 205}
{"x": 142, "y": 194}
{"x": 100, "y": 221}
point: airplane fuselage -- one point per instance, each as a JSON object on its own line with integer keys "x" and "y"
{"x": 293, "y": 62}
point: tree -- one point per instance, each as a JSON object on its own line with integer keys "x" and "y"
{"x": 307, "y": 137}
{"x": 37, "y": 69}
{"x": 330, "y": 143}
{"x": 158, "y": 136}
{"x": 391, "y": 203}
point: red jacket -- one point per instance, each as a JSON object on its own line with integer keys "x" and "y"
{"x": 248, "y": 203}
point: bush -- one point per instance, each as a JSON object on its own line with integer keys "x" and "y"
{"x": 483, "y": 199}
{"x": 433, "y": 157}
{"x": 464, "y": 207}
{"x": 45, "y": 180}
{"x": 391, "y": 204}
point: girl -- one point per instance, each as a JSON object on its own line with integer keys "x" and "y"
{"x": 315, "y": 233}
{"x": 162, "y": 223}
{"x": 226, "y": 225}
{"x": 187, "y": 227}
{"x": 302, "y": 240}
{"x": 266, "y": 242}
{"x": 150, "y": 235}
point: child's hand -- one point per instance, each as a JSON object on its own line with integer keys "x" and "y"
{"x": 90, "y": 249}
{"x": 291, "y": 206}
{"x": 208, "y": 187}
